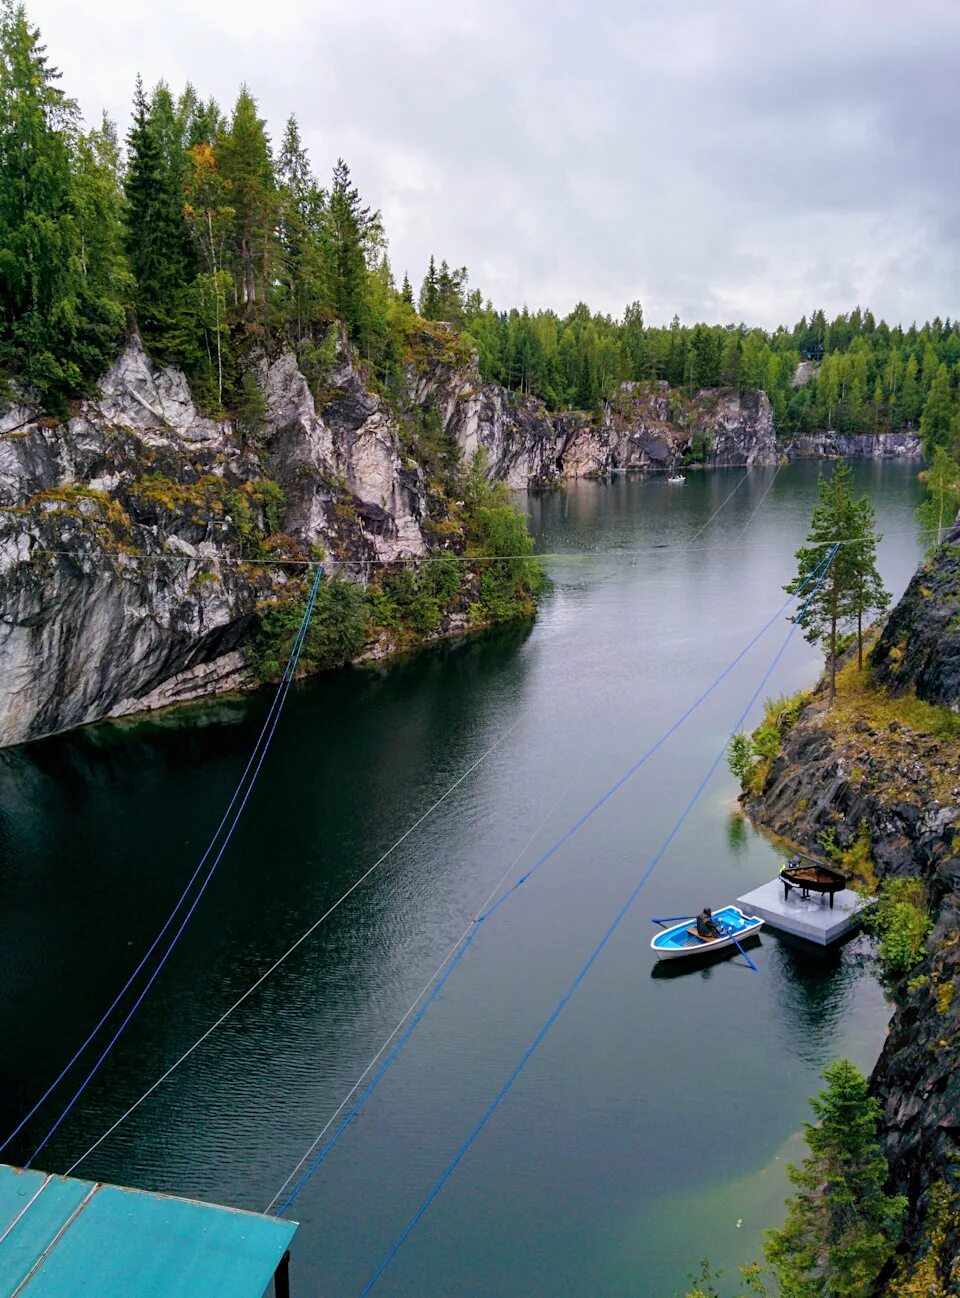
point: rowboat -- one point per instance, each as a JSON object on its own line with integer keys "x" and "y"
{"x": 677, "y": 478}
{"x": 683, "y": 940}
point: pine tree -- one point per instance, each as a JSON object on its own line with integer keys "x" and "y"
{"x": 406, "y": 292}
{"x": 161, "y": 256}
{"x": 841, "y": 1228}
{"x": 828, "y": 597}
{"x": 868, "y": 594}
{"x": 936, "y": 423}
{"x": 59, "y": 324}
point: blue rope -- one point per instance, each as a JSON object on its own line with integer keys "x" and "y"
{"x": 562, "y": 1003}
{"x": 551, "y": 851}
{"x": 269, "y": 726}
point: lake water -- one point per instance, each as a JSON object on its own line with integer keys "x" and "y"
{"x": 652, "y": 1126}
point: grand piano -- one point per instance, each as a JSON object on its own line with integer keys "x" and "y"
{"x": 810, "y": 875}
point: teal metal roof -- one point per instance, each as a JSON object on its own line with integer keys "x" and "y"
{"x": 64, "y": 1238}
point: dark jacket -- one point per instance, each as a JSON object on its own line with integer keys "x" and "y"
{"x": 706, "y": 926}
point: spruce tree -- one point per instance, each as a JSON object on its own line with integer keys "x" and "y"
{"x": 158, "y": 241}
{"x": 841, "y": 1227}
{"x": 303, "y": 236}
{"x": 429, "y": 293}
{"x": 828, "y": 598}
{"x": 59, "y": 324}
{"x": 355, "y": 237}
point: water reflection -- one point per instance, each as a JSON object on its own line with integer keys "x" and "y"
{"x": 817, "y": 986}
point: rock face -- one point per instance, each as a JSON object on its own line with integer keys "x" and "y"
{"x": 127, "y": 532}
{"x": 647, "y": 426}
{"x": 919, "y": 649}
{"x": 902, "y": 783}
{"x": 813, "y": 446}
{"x": 124, "y": 531}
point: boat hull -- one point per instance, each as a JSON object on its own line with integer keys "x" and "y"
{"x": 676, "y": 943}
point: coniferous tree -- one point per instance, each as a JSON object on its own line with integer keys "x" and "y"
{"x": 828, "y": 598}
{"x": 98, "y": 204}
{"x": 59, "y": 324}
{"x": 430, "y": 293}
{"x": 247, "y": 168}
{"x": 868, "y": 594}
{"x": 406, "y": 292}
{"x": 303, "y": 235}
{"x": 355, "y": 235}
{"x": 158, "y": 241}
{"x": 841, "y": 1227}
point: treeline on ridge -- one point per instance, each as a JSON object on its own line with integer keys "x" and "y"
{"x": 216, "y": 245}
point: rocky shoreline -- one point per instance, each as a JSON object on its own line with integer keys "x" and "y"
{"x": 882, "y": 770}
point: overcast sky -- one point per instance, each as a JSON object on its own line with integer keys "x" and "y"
{"x": 724, "y": 159}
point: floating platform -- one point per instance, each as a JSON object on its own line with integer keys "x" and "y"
{"x": 62, "y": 1238}
{"x": 809, "y": 917}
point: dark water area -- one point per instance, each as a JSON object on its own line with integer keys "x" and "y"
{"x": 652, "y": 1126}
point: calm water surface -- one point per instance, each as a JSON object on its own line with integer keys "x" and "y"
{"x": 652, "y": 1126}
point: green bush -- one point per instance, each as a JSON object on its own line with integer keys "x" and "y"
{"x": 338, "y": 630}
{"x": 900, "y": 922}
{"x": 740, "y": 757}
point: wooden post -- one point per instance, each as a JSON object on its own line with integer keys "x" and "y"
{"x": 281, "y": 1277}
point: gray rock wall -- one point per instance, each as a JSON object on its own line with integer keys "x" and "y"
{"x": 123, "y": 584}
{"x": 813, "y": 446}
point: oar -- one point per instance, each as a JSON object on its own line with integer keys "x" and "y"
{"x": 725, "y": 933}
{"x": 670, "y": 919}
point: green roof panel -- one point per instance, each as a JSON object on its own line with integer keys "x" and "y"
{"x": 64, "y": 1238}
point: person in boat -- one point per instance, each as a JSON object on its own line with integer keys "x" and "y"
{"x": 706, "y": 924}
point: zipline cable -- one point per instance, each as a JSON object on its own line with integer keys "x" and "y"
{"x": 277, "y": 700}
{"x": 426, "y": 987}
{"x": 282, "y": 692}
{"x": 290, "y": 950}
{"x": 466, "y": 932}
{"x": 700, "y": 530}
{"x": 313, "y": 927}
{"x": 743, "y": 531}
{"x": 619, "y": 552}
{"x": 595, "y": 954}
{"x": 474, "y": 929}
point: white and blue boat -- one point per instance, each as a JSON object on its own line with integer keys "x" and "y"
{"x": 683, "y": 940}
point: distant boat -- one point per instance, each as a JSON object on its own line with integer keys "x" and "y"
{"x": 683, "y": 939}
{"x": 677, "y": 478}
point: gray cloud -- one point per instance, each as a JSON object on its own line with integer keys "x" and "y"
{"x": 747, "y": 159}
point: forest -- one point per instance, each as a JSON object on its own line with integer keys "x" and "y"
{"x": 217, "y": 245}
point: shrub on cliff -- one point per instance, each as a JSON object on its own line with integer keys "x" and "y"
{"x": 841, "y": 1228}
{"x": 338, "y": 629}
{"x": 509, "y": 576}
{"x": 901, "y": 923}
